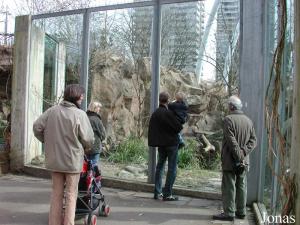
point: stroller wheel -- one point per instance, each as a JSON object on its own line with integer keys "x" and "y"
{"x": 90, "y": 220}
{"x": 94, "y": 220}
{"x": 104, "y": 210}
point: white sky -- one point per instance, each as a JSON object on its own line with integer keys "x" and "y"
{"x": 208, "y": 69}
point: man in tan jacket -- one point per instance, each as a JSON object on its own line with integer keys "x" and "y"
{"x": 67, "y": 134}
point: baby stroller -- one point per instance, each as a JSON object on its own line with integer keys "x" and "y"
{"x": 90, "y": 198}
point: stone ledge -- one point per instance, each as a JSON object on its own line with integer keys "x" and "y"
{"x": 127, "y": 184}
{"x": 257, "y": 212}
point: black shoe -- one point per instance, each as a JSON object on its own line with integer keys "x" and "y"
{"x": 170, "y": 198}
{"x": 158, "y": 196}
{"x": 223, "y": 217}
{"x": 241, "y": 217}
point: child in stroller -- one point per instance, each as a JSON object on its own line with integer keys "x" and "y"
{"x": 90, "y": 197}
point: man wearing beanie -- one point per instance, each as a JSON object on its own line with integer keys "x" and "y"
{"x": 238, "y": 142}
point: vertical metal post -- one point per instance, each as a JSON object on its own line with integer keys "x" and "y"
{"x": 252, "y": 41}
{"x": 295, "y": 166}
{"x": 84, "y": 75}
{"x": 155, "y": 78}
{"x": 268, "y": 44}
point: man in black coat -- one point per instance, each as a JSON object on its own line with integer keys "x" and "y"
{"x": 163, "y": 133}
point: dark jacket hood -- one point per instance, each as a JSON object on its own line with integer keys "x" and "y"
{"x": 91, "y": 113}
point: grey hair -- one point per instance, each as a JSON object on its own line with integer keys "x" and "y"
{"x": 236, "y": 102}
{"x": 94, "y": 105}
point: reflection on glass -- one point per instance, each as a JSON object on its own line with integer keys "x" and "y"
{"x": 268, "y": 184}
{"x": 60, "y": 67}
{"x": 274, "y": 195}
{"x": 227, "y": 45}
{"x": 119, "y": 77}
{"x": 68, "y": 30}
{"x": 182, "y": 32}
{"x": 49, "y": 72}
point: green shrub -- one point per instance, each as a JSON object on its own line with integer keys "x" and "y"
{"x": 187, "y": 156}
{"x": 131, "y": 150}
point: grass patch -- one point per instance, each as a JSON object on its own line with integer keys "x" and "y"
{"x": 131, "y": 150}
{"x": 187, "y": 155}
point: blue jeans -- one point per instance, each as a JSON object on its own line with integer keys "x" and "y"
{"x": 164, "y": 153}
{"x": 94, "y": 158}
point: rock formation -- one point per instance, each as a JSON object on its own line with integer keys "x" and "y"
{"x": 124, "y": 90}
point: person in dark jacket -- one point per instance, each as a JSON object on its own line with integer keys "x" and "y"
{"x": 238, "y": 142}
{"x": 163, "y": 133}
{"x": 99, "y": 131}
{"x": 179, "y": 107}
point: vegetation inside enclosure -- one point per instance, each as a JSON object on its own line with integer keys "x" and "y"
{"x": 193, "y": 157}
{"x": 131, "y": 150}
{"x": 186, "y": 155}
{"x": 135, "y": 150}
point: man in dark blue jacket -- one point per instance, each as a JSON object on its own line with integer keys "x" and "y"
{"x": 163, "y": 133}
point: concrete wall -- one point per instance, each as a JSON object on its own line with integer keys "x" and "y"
{"x": 20, "y": 91}
{"x": 36, "y": 90}
{"x": 27, "y": 91}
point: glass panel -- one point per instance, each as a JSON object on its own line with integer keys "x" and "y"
{"x": 60, "y": 32}
{"x": 119, "y": 78}
{"x": 286, "y": 104}
{"x": 227, "y": 53}
{"x": 47, "y": 6}
{"x": 68, "y": 30}
{"x": 274, "y": 189}
{"x": 268, "y": 184}
{"x": 186, "y": 45}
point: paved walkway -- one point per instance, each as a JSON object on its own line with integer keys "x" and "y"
{"x": 24, "y": 200}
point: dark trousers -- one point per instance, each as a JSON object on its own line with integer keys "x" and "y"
{"x": 234, "y": 193}
{"x": 164, "y": 153}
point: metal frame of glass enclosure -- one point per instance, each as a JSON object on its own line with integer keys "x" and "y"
{"x": 156, "y": 45}
{"x": 258, "y": 46}
{"x": 259, "y": 40}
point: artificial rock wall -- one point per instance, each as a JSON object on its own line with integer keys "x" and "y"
{"x": 124, "y": 91}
